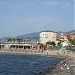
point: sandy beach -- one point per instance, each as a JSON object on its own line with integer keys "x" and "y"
{"x": 60, "y": 52}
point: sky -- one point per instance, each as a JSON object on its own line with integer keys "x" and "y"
{"x": 18, "y": 17}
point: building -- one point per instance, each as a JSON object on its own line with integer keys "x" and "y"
{"x": 39, "y": 47}
{"x": 46, "y": 36}
{"x": 70, "y": 34}
{"x": 62, "y": 38}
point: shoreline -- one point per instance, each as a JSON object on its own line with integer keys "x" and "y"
{"x": 48, "y": 71}
{"x": 55, "y": 69}
{"x": 67, "y": 53}
{"x": 71, "y": 66}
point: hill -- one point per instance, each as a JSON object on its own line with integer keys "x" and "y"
{"x": 72, "y": 31}
{"x": 34, "y": 35}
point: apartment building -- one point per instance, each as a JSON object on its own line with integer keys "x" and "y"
{"x": 70, "y": 34}
{"x": 62, "y": 38}
{"x": 46, "y": 36}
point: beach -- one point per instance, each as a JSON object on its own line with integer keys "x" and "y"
{"x": 60, "y": 52}
{"x": 56, "y": 68}
{"x": 65, "y": 70}
{"x": 59, "y": 69}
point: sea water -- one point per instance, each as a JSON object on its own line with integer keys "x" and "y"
{"x": 15, "y": 64}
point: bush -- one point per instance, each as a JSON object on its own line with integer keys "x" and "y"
{"x": 51, "y": 43}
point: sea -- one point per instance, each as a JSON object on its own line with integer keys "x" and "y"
{"x": 17, "y": 64}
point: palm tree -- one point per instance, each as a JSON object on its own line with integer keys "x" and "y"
{"x": 14, "y": 39}
{"x": 24, "y": 40}
{"x": 19, "y": 40}
{"x": 9, "y": 40}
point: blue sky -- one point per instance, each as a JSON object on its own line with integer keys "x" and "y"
{"x": 19, "y": 17}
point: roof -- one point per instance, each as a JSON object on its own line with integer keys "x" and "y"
{"x": 48, "y": 31}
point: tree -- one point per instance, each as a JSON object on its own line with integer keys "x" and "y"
{"x": 14, "y": 39}
{"x": 51, "y": 43}
{"x": 19, "y": 40}
{"x": 71, "y": 40}
{"x": 48, "y": 42}
{"x": 59, "y": 44}
{"x": 9, "y": 39}
{"x": 24, "y": 40}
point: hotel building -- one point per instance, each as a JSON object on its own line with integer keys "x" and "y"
{"x": 46, "y": 36}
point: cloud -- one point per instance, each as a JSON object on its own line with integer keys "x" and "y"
{"x": 51, "y": 3}
{"x": 67, "y": 5}
{"x": 24, "y": 4}
{"x": 62, "y": 4}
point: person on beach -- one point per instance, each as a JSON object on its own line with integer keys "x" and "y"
{"x": 58, "y": 52}
{"x": 47, "y": 52}
{"x": 63, "y": 64}
{"x": 66, "y": 63}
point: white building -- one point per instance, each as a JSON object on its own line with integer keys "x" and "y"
{"x": 62, "y": 39}
{"x": 46, "y": 36}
